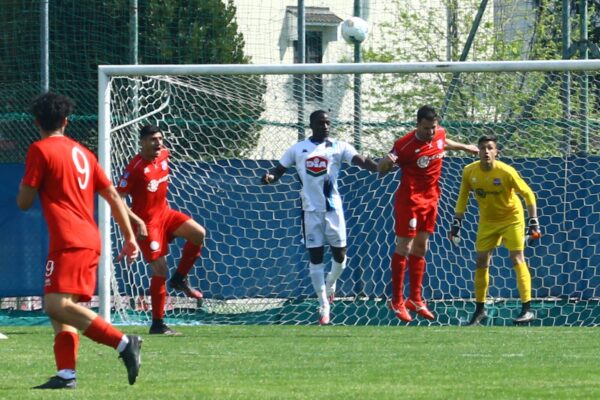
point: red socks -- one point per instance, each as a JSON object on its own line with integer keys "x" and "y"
{"x": 189, "y": 255}
{"x": 398, "y": 269}
{"x": 102, "y": 332}
{"x": 416, "y": 271}
{"x": 66, "y": 344}
{"x": 158, "y": 292}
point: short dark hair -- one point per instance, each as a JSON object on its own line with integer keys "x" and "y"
{"x": 316, "y": 114}
{"x": 148, "y": 130}
{"x": 487, "y": 138}
{"x": 50, "y": 109}
{"x": 426, "y": 112}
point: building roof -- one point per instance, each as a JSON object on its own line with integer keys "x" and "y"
{"x": 316, "y": 16}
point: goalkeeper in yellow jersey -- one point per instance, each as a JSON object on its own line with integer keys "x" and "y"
{"x": 501, "y": 220}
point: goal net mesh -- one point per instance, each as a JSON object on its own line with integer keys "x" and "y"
{"x": 225, "y": 131}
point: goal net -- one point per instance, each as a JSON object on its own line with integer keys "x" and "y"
{"x": 227, "y": 125}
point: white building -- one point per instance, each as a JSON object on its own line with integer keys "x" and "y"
{"x": 270, "y": 32}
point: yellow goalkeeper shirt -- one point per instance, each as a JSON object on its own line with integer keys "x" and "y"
{"x": 495, "y": 191}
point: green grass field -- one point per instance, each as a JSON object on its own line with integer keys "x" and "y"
{"x": 312, "y": 362}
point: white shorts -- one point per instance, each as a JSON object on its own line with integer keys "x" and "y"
{"x": 322, "y": 228}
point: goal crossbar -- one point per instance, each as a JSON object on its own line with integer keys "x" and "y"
{"x": 351, "y": 68}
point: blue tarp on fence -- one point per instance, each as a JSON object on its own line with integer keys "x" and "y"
{"x": 254, "y": 248}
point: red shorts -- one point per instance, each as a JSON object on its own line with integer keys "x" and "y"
{"x": 417, "y": 218}
{"x": 72, "y": 271}
{"x": 160, "y": 234}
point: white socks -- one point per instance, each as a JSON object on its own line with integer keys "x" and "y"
{"x": 123, "y": 343}
{"x": 336, "y": 270}
{"x": 317, "y": 276}
{"x": 66, "y": 374}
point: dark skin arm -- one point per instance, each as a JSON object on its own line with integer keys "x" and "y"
{"x": 273, "y": 175}
{"x": 361, "y": 161}
{"x": 364, "y": 163}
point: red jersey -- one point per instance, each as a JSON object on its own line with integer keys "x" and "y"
{"x": 67, "y": 175}
{"x": 147, "y": 183}
{"x": 421, "y": 164}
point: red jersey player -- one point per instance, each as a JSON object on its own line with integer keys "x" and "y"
{"x": 419, "y": 153}
{"x": 146, "y": 181}
{"x": 67, "y": 175}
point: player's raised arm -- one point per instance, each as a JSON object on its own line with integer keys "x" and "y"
{"x": 469, "y": 148}
{"x": 273, "y": 175}
{"x": 365, "y": 163}
{"x": 386, "y": 164}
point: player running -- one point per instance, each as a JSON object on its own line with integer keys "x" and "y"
{"x": 501, "y": 220}
{"x": 318, "y": 161}
{"x": 419, "y": 153}
{"x": 146, "y": 181}
{"x": 67, "y": 175}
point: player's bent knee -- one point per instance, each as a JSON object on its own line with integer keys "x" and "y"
{"x": 159, "y": 267}
{"x": 199, "y": 235}
{"x": 55, "y": 307}
{"x": 338, "y": 254}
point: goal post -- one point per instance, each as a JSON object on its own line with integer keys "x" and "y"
{"x": 227, "y": 124}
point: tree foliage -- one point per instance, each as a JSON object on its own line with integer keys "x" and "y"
{"x": 525, "y": 109}
{"x": 85, "y": 34}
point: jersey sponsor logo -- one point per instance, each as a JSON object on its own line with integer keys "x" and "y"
{"x": 497, "y": 182}
{"x": 424, "y": 161}
{"x": 483, "y": 193}
{"x": 316, "y": 166}
{"x": 155, "y": 183}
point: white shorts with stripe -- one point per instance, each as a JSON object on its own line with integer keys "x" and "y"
{"x": 321, "y": 228}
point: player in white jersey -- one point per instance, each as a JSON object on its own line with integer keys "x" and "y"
{"x": 318, "y": 161}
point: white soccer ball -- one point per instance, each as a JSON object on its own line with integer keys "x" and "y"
{"x": 355, "y": 30}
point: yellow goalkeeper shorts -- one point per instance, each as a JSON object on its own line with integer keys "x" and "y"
{"x": 491, "y": 235}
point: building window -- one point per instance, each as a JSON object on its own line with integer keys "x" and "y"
{"x": 313, "y": 84}
{"x": 321, "y": 28}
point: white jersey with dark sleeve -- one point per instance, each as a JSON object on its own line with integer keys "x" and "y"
{"x": 318, "y": 166}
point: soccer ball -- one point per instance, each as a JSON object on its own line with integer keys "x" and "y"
{"x": 355, "y": 30}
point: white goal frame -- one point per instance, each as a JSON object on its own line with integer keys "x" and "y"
{"x": 105, "y": 72}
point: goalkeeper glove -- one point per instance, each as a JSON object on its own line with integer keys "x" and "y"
{"x": 533, "y": 230}
{"x": 455, "y": 230}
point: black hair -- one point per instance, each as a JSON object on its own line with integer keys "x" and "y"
{"x": 426, "y": 112}
{"x": 487, "y": 138}
{"x": 148, "y": 130}
{"x": 315, "y": 114}
{"x": 50, "y": 110}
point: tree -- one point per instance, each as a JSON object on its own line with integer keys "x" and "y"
{"x": 206, "y": 32}
{"x": 525, "y": 108}
{"x": 85, "y": 34}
